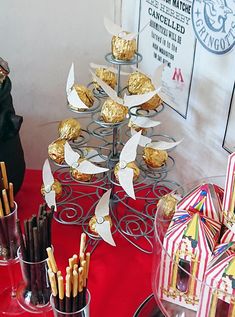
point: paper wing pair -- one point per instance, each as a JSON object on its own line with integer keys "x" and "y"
{"x": 85, "y": 167}
{"x": 48, "y": 181}
{"x": 72, "y": 95}
{"x": 127, "y": 155}
{"x": 103, "y": 226}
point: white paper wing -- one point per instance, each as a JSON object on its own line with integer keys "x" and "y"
{"x": 50, "y": 199}
{"x": 135, "y": 100}
{"x": 70, "y": 79}
{"x": 128, "y": 153}
{"x": 109, "y": 91}
{"x": 94, "y": 156}
{"x": 102, "y": 208}
{"x": 87, "y": 167}
{"x": 75, "y": 101}
{"x": 144, "y": 140}
{"x": 125, "y": 177}
{"x": 103, "y": 229}
{"x": 157, "y": 76}
{"x": 144, "y": 122}
{"x": 162, "y": 145}
{"x": 70, "y": 155}
{"x": 47, "y": 176}
{"x": 112, "y": 28}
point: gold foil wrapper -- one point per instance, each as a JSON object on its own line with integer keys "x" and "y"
{"x": 107, "y": 76}
{"x": 85, "y": 95}
{"x": 92, "y": 223}
{"x": 56, "y": 151}
{"x": 168, "y": 205}
{"x": 154, "y": 102}
{"x": 56, "y": 186}
{"x": 112, "y": 112}
{"x": 136, "y": 81}
{"x": 154, "y": 158}
{"x": 123, "y": 49}
{"x": 69, "y": 129}
{"x": 80, "y": 176}
{"x": 130, "y": 165}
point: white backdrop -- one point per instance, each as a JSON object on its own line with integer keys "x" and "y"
{"x": 201, "y": 153}
{"x": 40, "y": 39}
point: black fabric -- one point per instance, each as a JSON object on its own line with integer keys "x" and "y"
{"x": 11, "y": 151}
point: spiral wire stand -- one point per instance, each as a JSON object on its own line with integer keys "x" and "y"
{"x": 132, "y": 219}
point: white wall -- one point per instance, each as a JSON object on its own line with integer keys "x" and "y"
{"x": 40, "y": 39}
{"x": 201, "y": 153}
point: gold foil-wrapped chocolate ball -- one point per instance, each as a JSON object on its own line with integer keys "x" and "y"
{"x": 154, "y": 102}
{"x": 130, "y": 165}
{"x": 112, "y": 112}
{"x": 85, "y": 95}
{"x": 154, "y": 158}
{"x": 80, "y": 176}
{"x": 69, "y": 129}
{"x": 136, "y": 81}
{"x": 92, "y": 223}
{"x": 168, "y": 205}
{"x": 56, "y": 151}
{"x": 56, "y": 186}
{"x": 123, "y": 49}
{"x": 107, "y": 76}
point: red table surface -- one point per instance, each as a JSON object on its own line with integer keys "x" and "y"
{"x": 119, "y": 277}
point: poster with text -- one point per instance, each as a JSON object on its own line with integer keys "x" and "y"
{"x": 169, "y": 39}
{"x": 229, "y": 137}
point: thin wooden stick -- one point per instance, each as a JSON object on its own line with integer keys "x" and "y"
{"x": 80, "y": 288}
{"x": 5, "y": 202}
{"x": 1, "y": 209}
{"x": 61, "y": 293}
{"x": 82, "y": 243}
{"x": 75, "y": 290}
{"x": 11, "y": 196}
{"x": 68, "y": 293}
{"x": 52, "y": 260}
{"x": 4, "y": 175}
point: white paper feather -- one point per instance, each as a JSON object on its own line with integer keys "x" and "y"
{"x": 71, "y": 157}
{"x": 50, "y": 199}
{"x": 75, "y": 101}
{"x": 144, "y": 122}
{"x": 102, "y": 208}
{"x": 47, "y": 175}
{"x": 104, "y": 230}
{"x": 128, "y": 153}
{"x": 125, "y": 177}
{"x": 95, "y": 157}
{"x": 162, "y": 145}
{"x": 87, "y": 167}
{"x": 135, "y": 100}
{"x": 70, "y": 79}
{"x": 109, "y": 91}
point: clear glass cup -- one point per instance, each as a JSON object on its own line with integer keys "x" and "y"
{"x": 9, "y": 243}
{"x": 33, "y": 294}
{"x": 84, "y": 312}
{"x": 175, "y": 277}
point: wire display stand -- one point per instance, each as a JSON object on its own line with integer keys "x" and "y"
{"x": 132, "y": 219}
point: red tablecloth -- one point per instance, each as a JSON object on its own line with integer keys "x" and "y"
{"x": 120, "y": 277}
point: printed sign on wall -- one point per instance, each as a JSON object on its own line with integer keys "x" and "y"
{"x": 214, "y": 24}
{"x": 169, "y": 39}
{"x": 229, "y": 137}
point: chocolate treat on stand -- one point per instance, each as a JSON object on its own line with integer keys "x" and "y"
{"x": 123, "y": 49}
{"x": 69, "y": 129}
{"x": 154, "y": 158}
{"x": 113, "y": 112}
{"x": 93, "y": 221}
{"x": 131, "y": 165}
{"x": 79, "y": 176}
{"x": 136, "y": 81}
{"x": 107, "y": 76}
{"x": 56, "y": 151}
{"x": 56, "y": 186}
{"x": 85, "y": 94}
